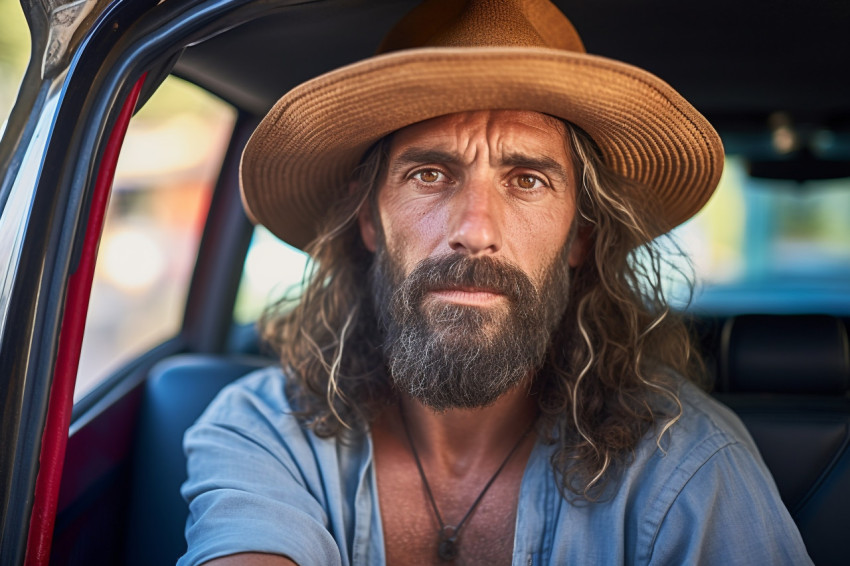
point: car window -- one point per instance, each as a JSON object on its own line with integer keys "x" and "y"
{"x": 770, "y": 246}
{"x": 163, "y": 184}
{"x": 272, "y": 270}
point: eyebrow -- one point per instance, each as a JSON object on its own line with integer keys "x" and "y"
{"x": 542, "y": 163}
{"x": 416, "y": 155}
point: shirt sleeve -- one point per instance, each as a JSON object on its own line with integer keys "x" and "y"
{"x": 253, "y": 484}
{"x": 728, "y": 512}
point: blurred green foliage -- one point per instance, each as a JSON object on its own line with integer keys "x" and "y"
{"x": 14, "y": 53}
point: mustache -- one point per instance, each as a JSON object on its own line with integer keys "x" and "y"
{"x": 461, "y": 271}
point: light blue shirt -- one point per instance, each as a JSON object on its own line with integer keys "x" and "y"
{"x": 260, "y": 482}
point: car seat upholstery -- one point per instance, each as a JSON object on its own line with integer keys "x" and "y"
{"x": 788, "y": 379}
{"x": 786, "y": 376}
{"x": 176, "y": 393}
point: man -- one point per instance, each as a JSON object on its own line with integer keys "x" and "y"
{"x": 482, "y": 368}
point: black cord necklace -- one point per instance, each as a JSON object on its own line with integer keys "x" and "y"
{"x": 447, "y": 548}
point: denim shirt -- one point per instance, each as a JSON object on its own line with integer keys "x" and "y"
{"x": 260, "y": 482}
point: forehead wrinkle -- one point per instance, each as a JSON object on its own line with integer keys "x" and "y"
{"x": 419, "y": 155}
{"x": 507, "y": 154}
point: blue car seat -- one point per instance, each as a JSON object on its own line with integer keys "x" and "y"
{"x": 176, "y": 393}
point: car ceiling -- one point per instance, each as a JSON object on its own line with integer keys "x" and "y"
{"x": 738, "y": 62}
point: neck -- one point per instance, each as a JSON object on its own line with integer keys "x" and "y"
{"x": 459, "y": 440}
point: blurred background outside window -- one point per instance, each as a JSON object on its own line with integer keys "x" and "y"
{"x": 770, "y": 246}
{"x": 273, "y": 270}
{"x": 14, "y": 54}
{"x": 163, "y": 184}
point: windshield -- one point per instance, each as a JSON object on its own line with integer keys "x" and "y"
{"x": 770, "y": 246}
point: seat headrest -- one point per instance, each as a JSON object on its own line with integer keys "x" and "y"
{"x": 792, "y": 354}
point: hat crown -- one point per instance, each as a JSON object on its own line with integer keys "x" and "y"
{"x": 483, "y": 23}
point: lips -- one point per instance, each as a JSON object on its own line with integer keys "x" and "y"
{"x": 468, "y": 295}
{"x": 465, "y": 289}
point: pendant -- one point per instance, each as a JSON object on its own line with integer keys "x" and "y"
{"x": 448, "y": 547}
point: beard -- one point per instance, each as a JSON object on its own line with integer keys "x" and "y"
{"x": 457, "y": 356}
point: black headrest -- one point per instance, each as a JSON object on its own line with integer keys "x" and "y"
{"x": 800, "y": 354}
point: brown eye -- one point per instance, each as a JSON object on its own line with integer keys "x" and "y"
{"x": 526, "y": 181}
{"x": 428, "y": 176}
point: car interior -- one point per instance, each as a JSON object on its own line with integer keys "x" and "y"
{"x": 778, "y": 355}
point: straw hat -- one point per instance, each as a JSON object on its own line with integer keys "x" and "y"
{"x": 450, "y": 56}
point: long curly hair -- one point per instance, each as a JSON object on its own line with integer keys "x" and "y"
{"x": 607, "y": 380}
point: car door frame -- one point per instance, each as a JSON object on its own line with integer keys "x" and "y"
{"x": 77, "y": 109}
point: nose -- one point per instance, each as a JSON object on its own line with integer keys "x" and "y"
{"x": 475, "y": 225}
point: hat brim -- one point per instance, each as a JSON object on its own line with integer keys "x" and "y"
{"x": 302, "y": 154}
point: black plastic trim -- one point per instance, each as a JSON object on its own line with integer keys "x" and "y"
{"x": 227, "y": 235}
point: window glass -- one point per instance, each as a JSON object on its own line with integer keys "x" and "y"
{"x": 163, "y": 184}
{"x": 273, "y": 269}
{"x": 770, "y": 246}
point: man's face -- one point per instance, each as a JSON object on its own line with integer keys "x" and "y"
{"x": 473, "y": 252}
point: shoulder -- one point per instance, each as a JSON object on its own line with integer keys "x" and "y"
{"x": 702, "y": 431}
{"x": 248, "y": 433}
{"x": 703, "y": 427}
{"x": 252, "y": 419}
{"x": 706, "y": 492}
{"x": 261, "y": 391}
{"x": 694, "y": 491}
{"x": 258, "y": 402}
